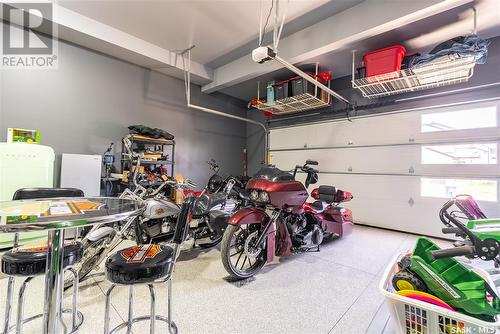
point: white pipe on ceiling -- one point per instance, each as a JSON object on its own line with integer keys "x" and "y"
{"x": 187, "y": 84}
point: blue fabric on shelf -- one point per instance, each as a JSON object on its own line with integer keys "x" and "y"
{"x": 461, "y": 47}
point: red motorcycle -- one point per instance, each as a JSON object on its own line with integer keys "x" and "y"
{"x": 281, "y": 222}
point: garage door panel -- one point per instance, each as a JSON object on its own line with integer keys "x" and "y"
{"x": 360, "y": 160}
{"x": 394, "y": 202}
{"x": 378, "y": 130}
{"x": 403, "y": 160}
{"x": 379, "y": 159}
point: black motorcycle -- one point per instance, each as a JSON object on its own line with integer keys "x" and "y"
{"x": 216, "y": 204}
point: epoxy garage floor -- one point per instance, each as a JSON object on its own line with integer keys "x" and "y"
{"x": 332, "y": 291}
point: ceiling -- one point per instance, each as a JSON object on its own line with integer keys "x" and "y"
{"x": 226, "y": 31}
{"x": 420, "y": 37}
{"x": 216, "y": 27}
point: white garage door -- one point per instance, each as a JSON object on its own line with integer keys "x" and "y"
{"x": 401, "y": 167}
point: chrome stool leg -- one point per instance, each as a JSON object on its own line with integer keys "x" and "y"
{"x": 152, "y": 317}
{"x": 20, "y": 306}
{"x": 171, "y": 330}
{"x": 130, "y": 309}
{"x": 153, "y": 309}
{"x": 77, "y": 316}
{"x": 74, "y": 305}
{"x": 106, "y": 311}
{"x": 8, "y": 304}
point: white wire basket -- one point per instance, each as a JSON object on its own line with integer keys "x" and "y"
{"x": 442, "y": 71}
{"x": 297, "y": 103}
{"x": 416, "y": 317}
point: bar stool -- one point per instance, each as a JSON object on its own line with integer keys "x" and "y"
{"x": 146, "y": 264}
{"x": 30, "y": 260}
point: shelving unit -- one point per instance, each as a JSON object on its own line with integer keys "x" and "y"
{"x": 163, "y": 147}
{"x": 440, "y": 72}
{"x": 298, "y": 103}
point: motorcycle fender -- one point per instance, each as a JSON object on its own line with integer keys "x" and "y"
{"x": 100, "y": 233}
{"x": 249, "y": 216}
{"x": 257, "y": 216}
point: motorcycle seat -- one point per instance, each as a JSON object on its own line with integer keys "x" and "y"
{"x": 140, "y": 264}
{"x": 318, "y": 206}
{"x": 327, "y": 193}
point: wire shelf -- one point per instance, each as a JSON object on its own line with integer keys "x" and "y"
{"x": 442, "y": 71}
{"x": 297, "y": 103}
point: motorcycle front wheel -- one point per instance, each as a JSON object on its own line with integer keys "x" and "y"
{"x": 92, "y": 251}
{"x": 239, "y": 256}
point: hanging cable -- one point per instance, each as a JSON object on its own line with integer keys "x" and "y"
{"x": 263, "y": 32}
{"x": 278, "y": 36}
{"x": 260, "y": 22}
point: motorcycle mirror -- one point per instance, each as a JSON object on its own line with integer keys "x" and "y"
{"x": 312, "y": 178}
{"x": 311, "y": 162}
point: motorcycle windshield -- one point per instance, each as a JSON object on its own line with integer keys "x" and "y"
{"x": 205, "y": 203}
{"x": 201, "y": 205}
{"x": 273, "y": 174}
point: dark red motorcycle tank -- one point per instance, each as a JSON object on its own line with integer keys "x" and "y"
{"x": 283, "y": 190}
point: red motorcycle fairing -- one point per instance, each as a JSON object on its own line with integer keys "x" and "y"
{"x": 281, "y": 193}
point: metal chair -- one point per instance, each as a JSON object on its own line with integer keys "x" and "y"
{"x": 29, "y": 261}
{"x": 146, "y": 264}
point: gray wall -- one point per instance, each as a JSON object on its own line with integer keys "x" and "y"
{"x": 255, "y": 142}
{"x": 90, "y": 100}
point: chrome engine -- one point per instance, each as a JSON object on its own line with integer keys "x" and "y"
{"x": 304, "y": 231}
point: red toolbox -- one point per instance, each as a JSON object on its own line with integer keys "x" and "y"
{"x": 384, "y": 60}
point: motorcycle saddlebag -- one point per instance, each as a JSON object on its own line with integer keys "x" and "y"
{"x": 338, "y": 221}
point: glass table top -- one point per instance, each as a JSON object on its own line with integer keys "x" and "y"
{"x": 60, "y": 213}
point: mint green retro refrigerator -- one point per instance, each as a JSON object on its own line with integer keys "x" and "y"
{"x": 22, "y": 166}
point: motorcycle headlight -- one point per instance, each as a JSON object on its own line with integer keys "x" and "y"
{"x": 254, "y": 195}
{"x": 263, "y": 197}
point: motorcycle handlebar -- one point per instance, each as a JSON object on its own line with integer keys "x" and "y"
{"x": 451, "y": 230}
{"x": 453, "y": 252}
{"x": 443, "y": 211}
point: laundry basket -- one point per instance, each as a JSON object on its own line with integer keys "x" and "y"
{"x": 416, "y": 317}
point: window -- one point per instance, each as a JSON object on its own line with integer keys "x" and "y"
{"x": 462, "y": 154}
{"x": 484, "y": 190}
{"x": 460, "y": 120}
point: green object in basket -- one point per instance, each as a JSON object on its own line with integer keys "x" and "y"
{"x": 485, "y": 228}
{"x": 452, "y": 282}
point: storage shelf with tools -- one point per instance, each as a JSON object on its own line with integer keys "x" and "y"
{"x": 157, "y": 159}
{"x": 441, "y": 72}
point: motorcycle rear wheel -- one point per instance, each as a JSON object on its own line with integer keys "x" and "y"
{"x": 234, "y": 242}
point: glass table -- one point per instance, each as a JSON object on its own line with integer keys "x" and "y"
{"x": 55, "y": 215}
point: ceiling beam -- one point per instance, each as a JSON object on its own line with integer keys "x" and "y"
{"x": 339, "y": 32}
{"x": 86, "y": 32}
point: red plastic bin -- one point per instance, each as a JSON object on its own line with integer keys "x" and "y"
{"x": 384, "y": 60}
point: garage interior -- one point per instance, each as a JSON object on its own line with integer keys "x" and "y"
{"x": 335, "y": 163}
